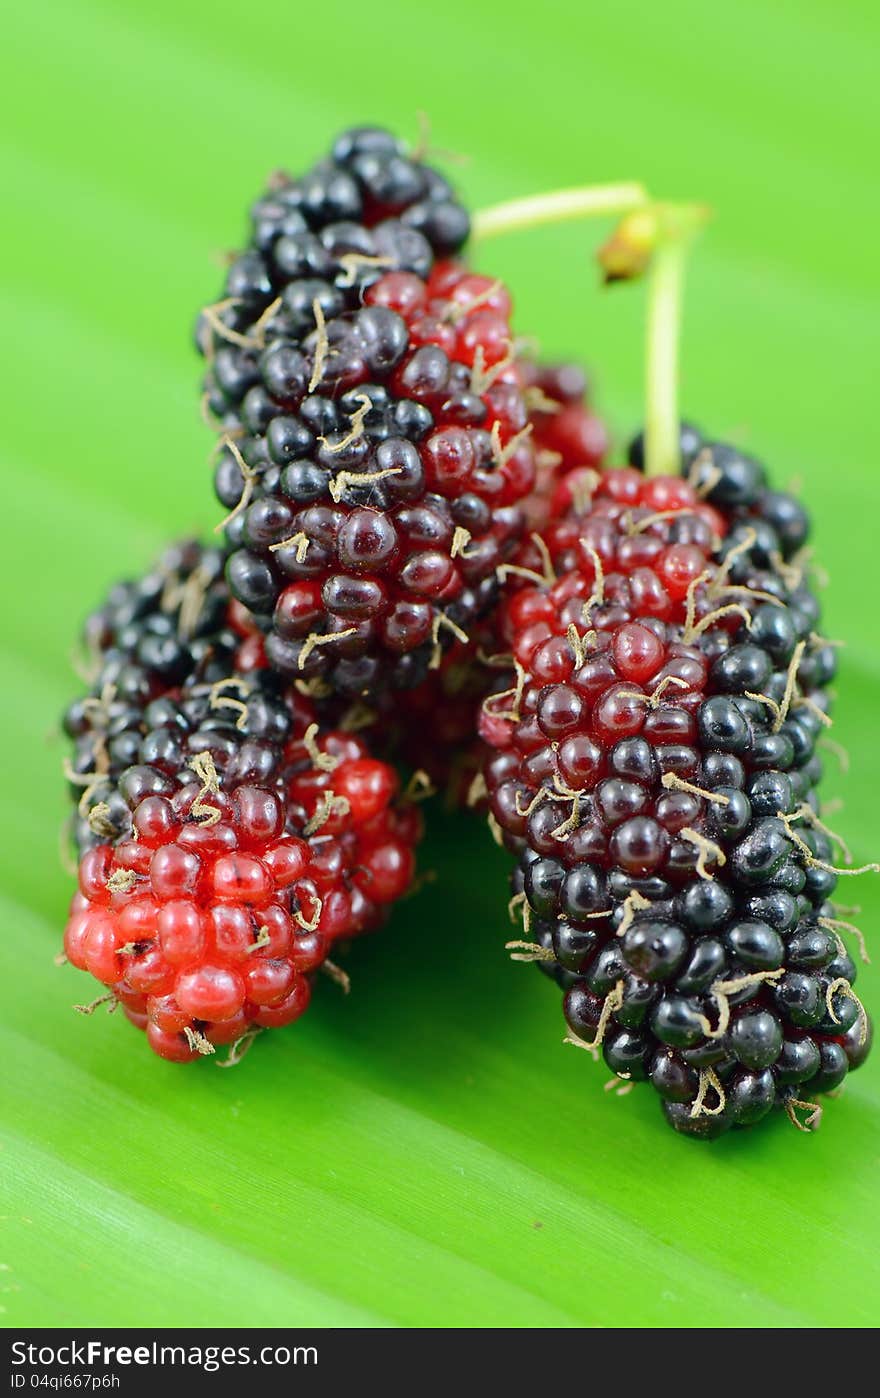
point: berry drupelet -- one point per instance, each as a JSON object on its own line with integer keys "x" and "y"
{"x": 655, "y": 772}
{"x": 567, "y": 433}
{"x": 431, "y": 730}
{"x": 226, "y": 843}
{"x": 375, "y": 450}
{"x": 431, "y": 727}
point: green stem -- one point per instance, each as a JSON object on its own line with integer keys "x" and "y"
{"x": 663, "y": 329}
{"x": 658, "y": 233}
{"x": 677, "y": 225}
{"x": 588, "y": 201}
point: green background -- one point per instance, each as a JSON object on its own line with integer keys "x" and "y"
{"x": 426, "y": 1151}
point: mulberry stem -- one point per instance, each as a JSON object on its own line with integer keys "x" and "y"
{"x": 676, "y": 227}
{"x": 662, "y": 336}
{"x": 588, "y": 201}
{"x": 659, "y": 234}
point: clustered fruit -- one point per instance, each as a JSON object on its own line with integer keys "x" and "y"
{"x": 654, "y": 769}
{"x": 227, "y": 841}
{"x": 375, "y": 445}
{"x": 427, "y": 561}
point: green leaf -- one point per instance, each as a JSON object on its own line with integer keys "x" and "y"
{"x": 424, "y": 1151}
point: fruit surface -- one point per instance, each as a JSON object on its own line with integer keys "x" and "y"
{"x": 226, "y": 842}
{"x": 432, "y": 727}
{"x": 655, "y": 770}
{"x": 568, "y": 433}
{"x": 375, "y": 448}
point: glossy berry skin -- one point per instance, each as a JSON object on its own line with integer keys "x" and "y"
{"x": 200, "y": 924}
{"x": 654, "y": 769}
{"x": 226, "y": 842}
{"x": 431, "y": 727}
{"x": 568, "y": 433}
{"x": 368, "y": 389}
